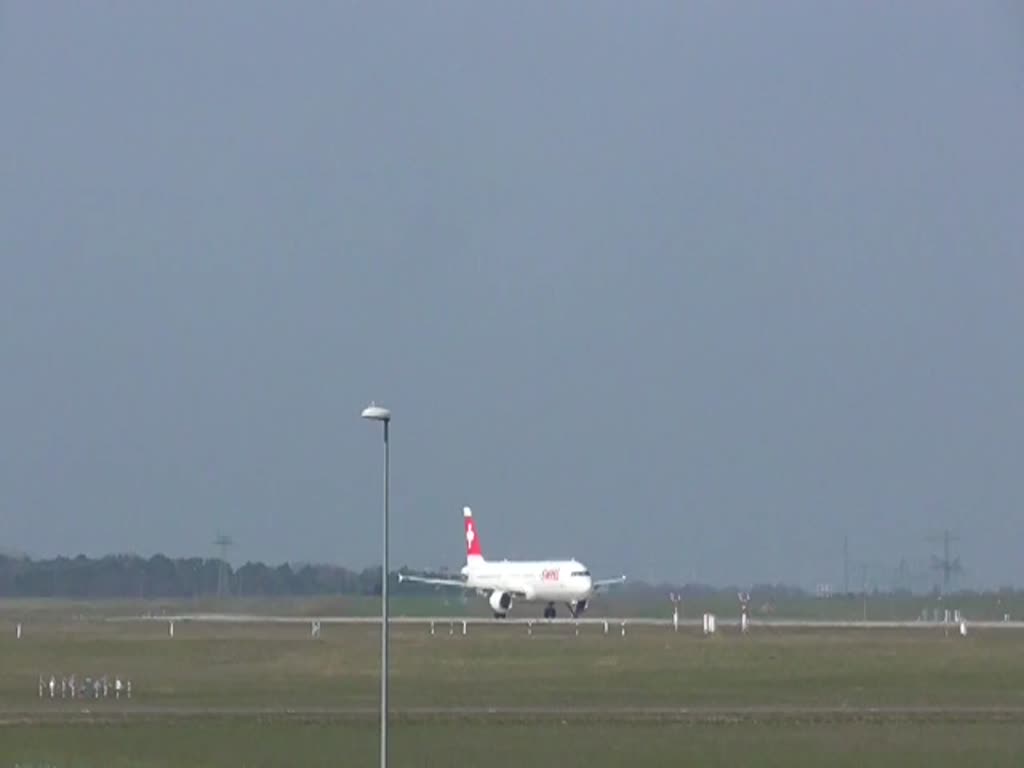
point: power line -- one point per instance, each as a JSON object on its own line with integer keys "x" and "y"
{"x": 947, "y": 563}
{"x": 902, "y": 577}
{"x": 846, "y": 565}
{"x": 223, "y": 542}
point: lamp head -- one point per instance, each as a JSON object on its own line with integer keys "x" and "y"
{"x": 374, "y": 412}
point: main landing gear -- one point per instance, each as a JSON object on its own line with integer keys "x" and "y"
{"x": 577, "y": 608}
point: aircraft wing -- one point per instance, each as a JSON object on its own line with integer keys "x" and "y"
{"x": 602, "y": 584}
{"x": 456, "y": 583}
{"x": 435, "y": 582}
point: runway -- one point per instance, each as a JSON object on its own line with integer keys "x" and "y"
{"x": 608, "y": 624}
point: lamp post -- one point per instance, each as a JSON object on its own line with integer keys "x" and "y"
{"x": 376, "y": 413}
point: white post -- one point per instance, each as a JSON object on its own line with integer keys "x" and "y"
{"x": 170, "y": 629}
{"x": 606, "y": 627}
{"x": 431, "y": 627}
{"x": 744, "y": 610}
{"x": 675, "y": 619}
{"x": 963, "y": 629}
{"x": 709, "y": 623}
{"x": 623, "y": 629}
{"x": 529, "y": 627}
{"x": 463, "y": 627}
{"x": 577, "y": 629}
{"x": 19, "y": 631}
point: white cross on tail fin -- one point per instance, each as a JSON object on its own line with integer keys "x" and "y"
{"x": 473, "y": 551}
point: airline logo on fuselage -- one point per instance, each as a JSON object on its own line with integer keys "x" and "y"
{"x": 549, "y": 574}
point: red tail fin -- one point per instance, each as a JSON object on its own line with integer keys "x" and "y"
{"x": 473, "y": 550}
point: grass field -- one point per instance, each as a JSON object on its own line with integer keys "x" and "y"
{"x": 221, "y": 695}
{"x": 506, "y": 745}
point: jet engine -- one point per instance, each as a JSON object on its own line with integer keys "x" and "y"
{"x": 500, "y": 603}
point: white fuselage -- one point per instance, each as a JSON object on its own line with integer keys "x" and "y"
{"x": 542, "y": 580}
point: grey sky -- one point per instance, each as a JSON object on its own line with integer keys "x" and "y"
{"x": 669, "y": 287}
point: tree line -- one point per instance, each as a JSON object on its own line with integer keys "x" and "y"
{"x": 133, "y": 576}
{"x": 159, "y": 576}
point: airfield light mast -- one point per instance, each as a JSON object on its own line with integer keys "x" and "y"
{"x": 375, "y": 413}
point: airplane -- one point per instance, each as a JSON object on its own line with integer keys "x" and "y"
{"x": 503, "y": 581}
